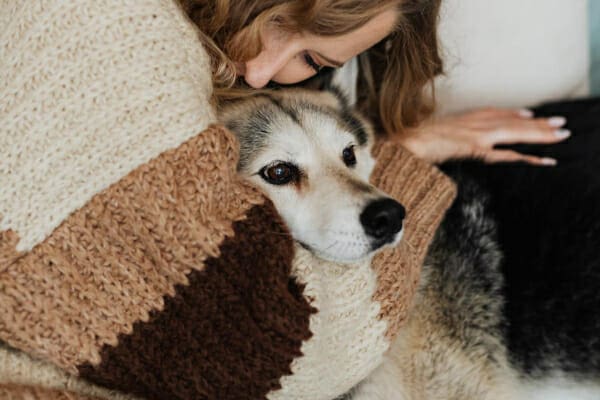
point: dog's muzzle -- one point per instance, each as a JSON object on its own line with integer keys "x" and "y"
{"x": 382, "y": 220}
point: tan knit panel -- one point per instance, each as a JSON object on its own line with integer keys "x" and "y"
{"x": 89, "y": 90}
{"x": 13, "y": 392}
{"x": 112, "y": 261}
{"x": 426, "y": 193}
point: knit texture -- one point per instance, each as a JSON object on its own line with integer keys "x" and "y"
{"x": 363, "y": 306}
{"x": 426, "y": 193}
{"x": 230, "y": 333}
{"x": 112, "y": 262}
{"x": 125, "y": 85}
{"x": 133, "y": 256}
{"x": 14, "y": 392}
{"x": 18, "y": 368}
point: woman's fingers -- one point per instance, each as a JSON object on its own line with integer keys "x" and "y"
{"x": 524, "y": 113}
{"x": 495, "y": 156}
{"x": 539, "y": 130}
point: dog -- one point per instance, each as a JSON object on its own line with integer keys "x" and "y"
{"x": 492, "y": 319}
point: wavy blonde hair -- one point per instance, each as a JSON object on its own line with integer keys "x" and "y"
{"x": 404, "y": 62}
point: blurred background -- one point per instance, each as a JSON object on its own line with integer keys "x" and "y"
{"x": 515, "y": 53}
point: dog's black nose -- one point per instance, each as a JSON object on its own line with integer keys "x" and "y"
{"x": 382, "y": 219}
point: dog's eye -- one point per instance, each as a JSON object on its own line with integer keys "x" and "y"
{"x": 348, "y": 156}
{"x": 280, "y": 174}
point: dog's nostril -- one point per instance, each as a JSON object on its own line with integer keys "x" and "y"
{"x": 382, "y": 219}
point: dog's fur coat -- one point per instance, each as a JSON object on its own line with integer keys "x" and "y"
{"x": 509, "y": 295}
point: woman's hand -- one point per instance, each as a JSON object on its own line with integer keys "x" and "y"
{"x": 475, "y": 135}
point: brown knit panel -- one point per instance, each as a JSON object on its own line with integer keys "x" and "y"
{"x": 112, "y": 262}
{"x": 231, "y": 334}
{"x": 15, "y": 392}
{"x": 426, "y": 193}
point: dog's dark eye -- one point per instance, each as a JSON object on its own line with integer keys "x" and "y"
{"x": 348, "y": 156}
{"x": 280, "y": 173}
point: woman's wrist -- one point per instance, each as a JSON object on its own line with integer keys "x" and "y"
{"x": 416, "y": 141}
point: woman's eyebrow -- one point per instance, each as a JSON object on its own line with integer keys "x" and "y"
{"x": 334, "y": 63}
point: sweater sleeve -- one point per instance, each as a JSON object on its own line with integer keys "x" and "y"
{"x": 131, "y": 254}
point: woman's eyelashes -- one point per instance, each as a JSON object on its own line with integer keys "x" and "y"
{"x": 311, "y": 62}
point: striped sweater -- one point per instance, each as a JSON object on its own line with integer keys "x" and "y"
{"x": 133, "y": 260}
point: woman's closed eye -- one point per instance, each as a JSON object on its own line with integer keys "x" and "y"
{"x": 310, "y": 61}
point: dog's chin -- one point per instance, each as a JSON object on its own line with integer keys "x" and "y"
{"x": 336, "y": 257}
{"x": 343, "y": 259}
{"x": 346, "y": 258}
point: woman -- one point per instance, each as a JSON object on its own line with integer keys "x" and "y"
{"x": 257, "y": 42}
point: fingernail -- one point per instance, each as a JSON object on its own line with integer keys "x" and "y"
{"x": 525, "y": 113}
{"x": 562, "y": 133}
{"x": 557, "y": 122}
{"x": 549, "y": 161}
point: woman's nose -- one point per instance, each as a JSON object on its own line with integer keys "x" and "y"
{"x": 256, "y": 78}
{"x": 261, "y": 69}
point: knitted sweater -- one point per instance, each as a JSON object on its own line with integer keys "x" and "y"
{"x": 133, "y": 258}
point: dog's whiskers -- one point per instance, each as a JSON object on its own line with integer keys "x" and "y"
{"x": 335, "y": 242}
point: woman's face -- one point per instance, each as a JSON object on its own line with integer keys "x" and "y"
{"x": 291, "y": 58}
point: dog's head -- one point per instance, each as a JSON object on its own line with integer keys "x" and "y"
{"x": 310, "y": 153}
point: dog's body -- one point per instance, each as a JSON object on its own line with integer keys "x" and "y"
{"x": 496, "y": 316}
{"x": 469, "y": 336}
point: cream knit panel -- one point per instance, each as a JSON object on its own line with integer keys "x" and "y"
{"x": 348, "y": 340}
{"x": 89, "y": 90}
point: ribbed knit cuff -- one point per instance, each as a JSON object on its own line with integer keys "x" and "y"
{"x": 424, "y": 190}
{"x": 426, "y": 193}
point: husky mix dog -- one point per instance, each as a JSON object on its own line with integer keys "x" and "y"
{"x": 508, "y": 301}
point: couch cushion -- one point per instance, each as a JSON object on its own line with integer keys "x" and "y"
{"x": 512, "y": 53}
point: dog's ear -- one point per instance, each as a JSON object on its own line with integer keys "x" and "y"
{"x": 339, "y": 94}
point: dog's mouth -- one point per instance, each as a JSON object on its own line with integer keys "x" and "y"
{"x": 381, "y": 223}
{"x": 350, "y": 252}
